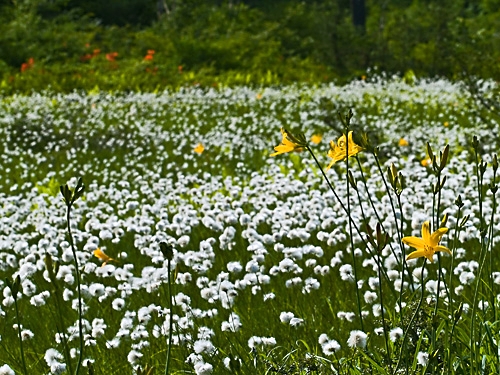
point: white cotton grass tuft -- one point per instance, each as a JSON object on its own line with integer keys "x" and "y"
{"x": 52, "y": 356}
{"x": 256, "y": 341}
{"x": 395, "y": 334}
{"x": 286, "y": 316}
{"x": 422, "y": 358}
{"x": 357, "y": 339}
{"x": 346, "y": 273}
{"x": 134, "y": 357}
{"x": 328, "y": 346}
{"x": 204, "y": 346}
{"x": 6, "y": 370}
{"x": 202, "y": 368}
{"x": 296, "y": 322}
{"x": 370, "y": 297}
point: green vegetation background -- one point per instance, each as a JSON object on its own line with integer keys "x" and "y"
{"x": 70, "y": 44}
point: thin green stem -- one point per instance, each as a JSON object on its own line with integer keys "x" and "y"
{"x": 453, "y": 250}
{"x": 379, "y": 167}
{"x": 60, "y": 329}
{"x": 351, "y": 236}
{"x": 343, "y": 206}
{"x": 403, "y": 262}
{"x": 80, "y": 313}
{"x": 435, "y": 226}
{"x": 170, "y": 318}
{"x": 482, "y": 257}
{"x": 490, "y": 273}
{"x": 374, "y": 207}
{"x": 381, "y": 294}
{"x": 20, "y": 336}
{"x": 412, "y": 318}
{"x": 493, "y": 190}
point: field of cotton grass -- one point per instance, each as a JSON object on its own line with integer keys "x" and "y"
{"x": 198, "y": 252}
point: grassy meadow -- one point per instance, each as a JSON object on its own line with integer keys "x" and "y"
{"x": 216, "y": 258}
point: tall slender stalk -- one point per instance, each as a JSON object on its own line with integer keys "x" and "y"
{"x": 459, "y": 204}
{"x": 372, "y": 204}
{"x": 170, "y": 318}
{"x": 168, "y": 252}
{"x": 59, "y": 321}
{"x": 20, "y": 337}
{"x": 334, "y": 192}
{"x": 412, "y": 318}
{"x": 14, "y": 288}
{"x": 358, "y": 298}
{"x": 480, "y": 169}
{"x": 70, "y": 197}
{"x": 78, "y": 284}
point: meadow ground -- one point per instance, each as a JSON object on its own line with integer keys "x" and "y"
{"x": 267, "y": 272}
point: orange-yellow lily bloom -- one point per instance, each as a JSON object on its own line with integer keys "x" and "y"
{"x": 428, "y": 245}
{"x": 287, "y": 144}
{"x": 316, "y": 138}
{"x": 98, "y": 253}
{"x": 338, "y": 151}
{"x": 199, "y": 149}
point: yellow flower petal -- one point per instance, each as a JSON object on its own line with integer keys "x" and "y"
{"x": 443, "y": 248}
{"x": 199, "y": 149}
{"x": 98, "y": 253}
{"x": 286, "y": 145}
{"x": 316, "y": 138}
{"x": 426, "y": 232}
{"x": 436, "y": 236}
{"x": 403, "y": 142}
{"x": 415, "y": 242}
{"x": 428, "y": 245}
{"x": 339, "y": 152}
{"x": 426, "y": 162}
{"x": 416, "y": 254}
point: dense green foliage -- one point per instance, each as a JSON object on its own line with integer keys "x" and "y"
{"x": 234, "y": 42}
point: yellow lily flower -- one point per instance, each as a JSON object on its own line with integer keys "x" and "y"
{"x": 316, "y": 138}
{"x": 199, "y": 149}
{"x": 98, "y": 253}
{"x": 428, "y": 245}
{"x": 403, "y": 142}
{"x": 338, "y": 151}
{"x": 287, "y": 144}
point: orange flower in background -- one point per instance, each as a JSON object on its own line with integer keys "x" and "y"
{"x": 179, "y": 69}
{"x": 86, "y": 57}
{"x": 98, "y": 253}
{"x": 199, "y": 149}
{"x": 111, "y": 56}
{"x": 258, "y": 96}
{"x": 27, "y": 65}
{"x": 149, "y": 56}
{"x": 316, "y": 138}
{"x": 96, "y": 52}
{"x": 403, "y": 142}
